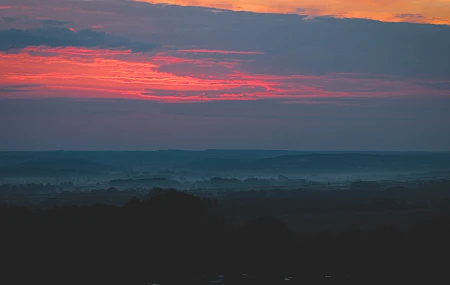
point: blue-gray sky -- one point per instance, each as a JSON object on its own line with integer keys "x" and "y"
{"x": 117, "y": 74}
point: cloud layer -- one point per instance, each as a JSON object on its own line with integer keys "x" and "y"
{"x": 188, "y": 54}
{"x": 184, "y": 73}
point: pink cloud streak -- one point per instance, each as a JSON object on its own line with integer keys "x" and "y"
{"x": 91, "y": 73}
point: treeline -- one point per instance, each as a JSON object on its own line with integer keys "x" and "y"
{"x": 30, "y": 188}
{"x": 40, "y": 196}
{"x": 245, "y": 201}
{"x": 174, "y": 238}
{"x": 426, "y": 196}
{"x": 162, "y": 182}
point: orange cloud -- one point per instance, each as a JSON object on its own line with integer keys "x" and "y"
{"x": 430, "y": 11}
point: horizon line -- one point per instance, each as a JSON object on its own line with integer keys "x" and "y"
{"x": 216, "y": 149}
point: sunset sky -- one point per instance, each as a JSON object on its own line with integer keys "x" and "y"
{"x": 289, "y": 74}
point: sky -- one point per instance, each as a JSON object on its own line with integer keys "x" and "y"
{"x": 295, "y": 74}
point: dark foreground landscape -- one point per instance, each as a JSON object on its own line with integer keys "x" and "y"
{"x": 253, "y": 229}
{"x": 176, "y": 238}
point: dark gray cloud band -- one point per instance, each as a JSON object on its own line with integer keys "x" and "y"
{"x": 55, "y": 36}
{"x": 51, "y": 22}
{"x": 12, "y": 88}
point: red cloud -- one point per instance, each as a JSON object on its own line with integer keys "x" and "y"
{"x": 91, "y": 73}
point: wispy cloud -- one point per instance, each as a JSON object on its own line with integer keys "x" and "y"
{"x": 409, "y": 16}
{"x": 218, "y": 51}
{"x": 10, "y": 19}
{"x": 15, "y": 88}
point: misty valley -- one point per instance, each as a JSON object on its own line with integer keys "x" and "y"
{"x": 231, "y": 217}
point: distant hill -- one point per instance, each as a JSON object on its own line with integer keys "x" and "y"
{"x": 43, "y": 163}
{"x": 331, "y": 162}
{"x": 127, "y": 158}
